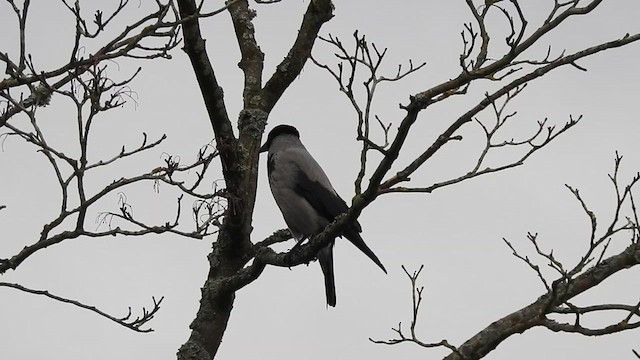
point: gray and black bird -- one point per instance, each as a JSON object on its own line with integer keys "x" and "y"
{"x": 307, "y": 199}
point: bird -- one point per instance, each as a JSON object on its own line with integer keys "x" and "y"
{"x": 307, "y": 199}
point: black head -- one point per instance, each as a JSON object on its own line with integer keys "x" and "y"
{"x": 277, "y": 131}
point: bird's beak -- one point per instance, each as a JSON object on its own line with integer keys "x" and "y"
{"x": 264, "y": 148}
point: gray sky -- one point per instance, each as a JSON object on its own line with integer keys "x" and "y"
{"x": 470, "y": 277}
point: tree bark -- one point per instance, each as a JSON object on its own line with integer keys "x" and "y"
{"x": 233, "y": 239}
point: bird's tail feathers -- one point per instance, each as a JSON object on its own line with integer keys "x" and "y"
{"x": 355, "y": 238}
{"x": 325, "y": 258}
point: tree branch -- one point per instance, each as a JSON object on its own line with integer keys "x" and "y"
{"x": 416, "y": 297}
{"x": 318, "y": 13}
{"x": 126, "y": 321}
{"x": 418, "y": 101}
{"x": 212, "y": 93}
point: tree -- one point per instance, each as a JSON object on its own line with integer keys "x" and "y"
{"x": 492, "y": 73}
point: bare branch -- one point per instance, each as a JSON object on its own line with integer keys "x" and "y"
{"x": 530, "y": 316}
{"x": 212, "y": 93}
{"x": 572, "y": 328}
{"x": 279, "y": 236}
{"x": 527, "y": 261}
{"x": 127, "y": 321}
{"x": 252, "y": 58}
{"x": 416, "y": 293}
{"x": 94, "y": 94}
{"x": 129, "y": 43}
{"x": 418, "y": 102}
{"x": 367, "y": 55}
{"x": 567, "y": 285}
{"x": 318, "y": 13}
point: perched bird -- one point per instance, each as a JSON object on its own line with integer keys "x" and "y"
{"x": 307, "y": 199}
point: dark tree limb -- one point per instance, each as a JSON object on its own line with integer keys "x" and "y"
{"x": 534, "y": 315}
{"x": 212, "y": 93}
{"x": 252, "y": 58}
{"x": 215, "y": 306}
{"x": 417, "y": 102}
{"x": 127, "y": 321}
{"x": 318, "y": 13}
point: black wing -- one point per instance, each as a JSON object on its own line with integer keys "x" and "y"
{"x": 324, "y": 200}
{"x": 329, "y": 205}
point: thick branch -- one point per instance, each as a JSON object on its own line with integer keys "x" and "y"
{"x": 252, "y": 58}
{"x": 534, "y": 315}
{"x": 318, "y": 12}
{"x": 212, "y": 94}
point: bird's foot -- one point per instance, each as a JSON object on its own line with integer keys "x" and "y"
{"x": 287, "y": 259}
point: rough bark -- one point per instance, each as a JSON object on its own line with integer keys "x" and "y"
{"x": 227, "y": 255}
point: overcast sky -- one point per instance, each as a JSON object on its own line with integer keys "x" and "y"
{"x": 470, "y": 277}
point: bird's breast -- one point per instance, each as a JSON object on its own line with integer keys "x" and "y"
{"x": 301, "y": 218}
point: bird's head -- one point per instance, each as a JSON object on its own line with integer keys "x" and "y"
{"x": 278, "y": 131}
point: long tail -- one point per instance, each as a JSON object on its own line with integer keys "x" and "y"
{"x": 325, "y": 258}
{"x": 352, "y": 235}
